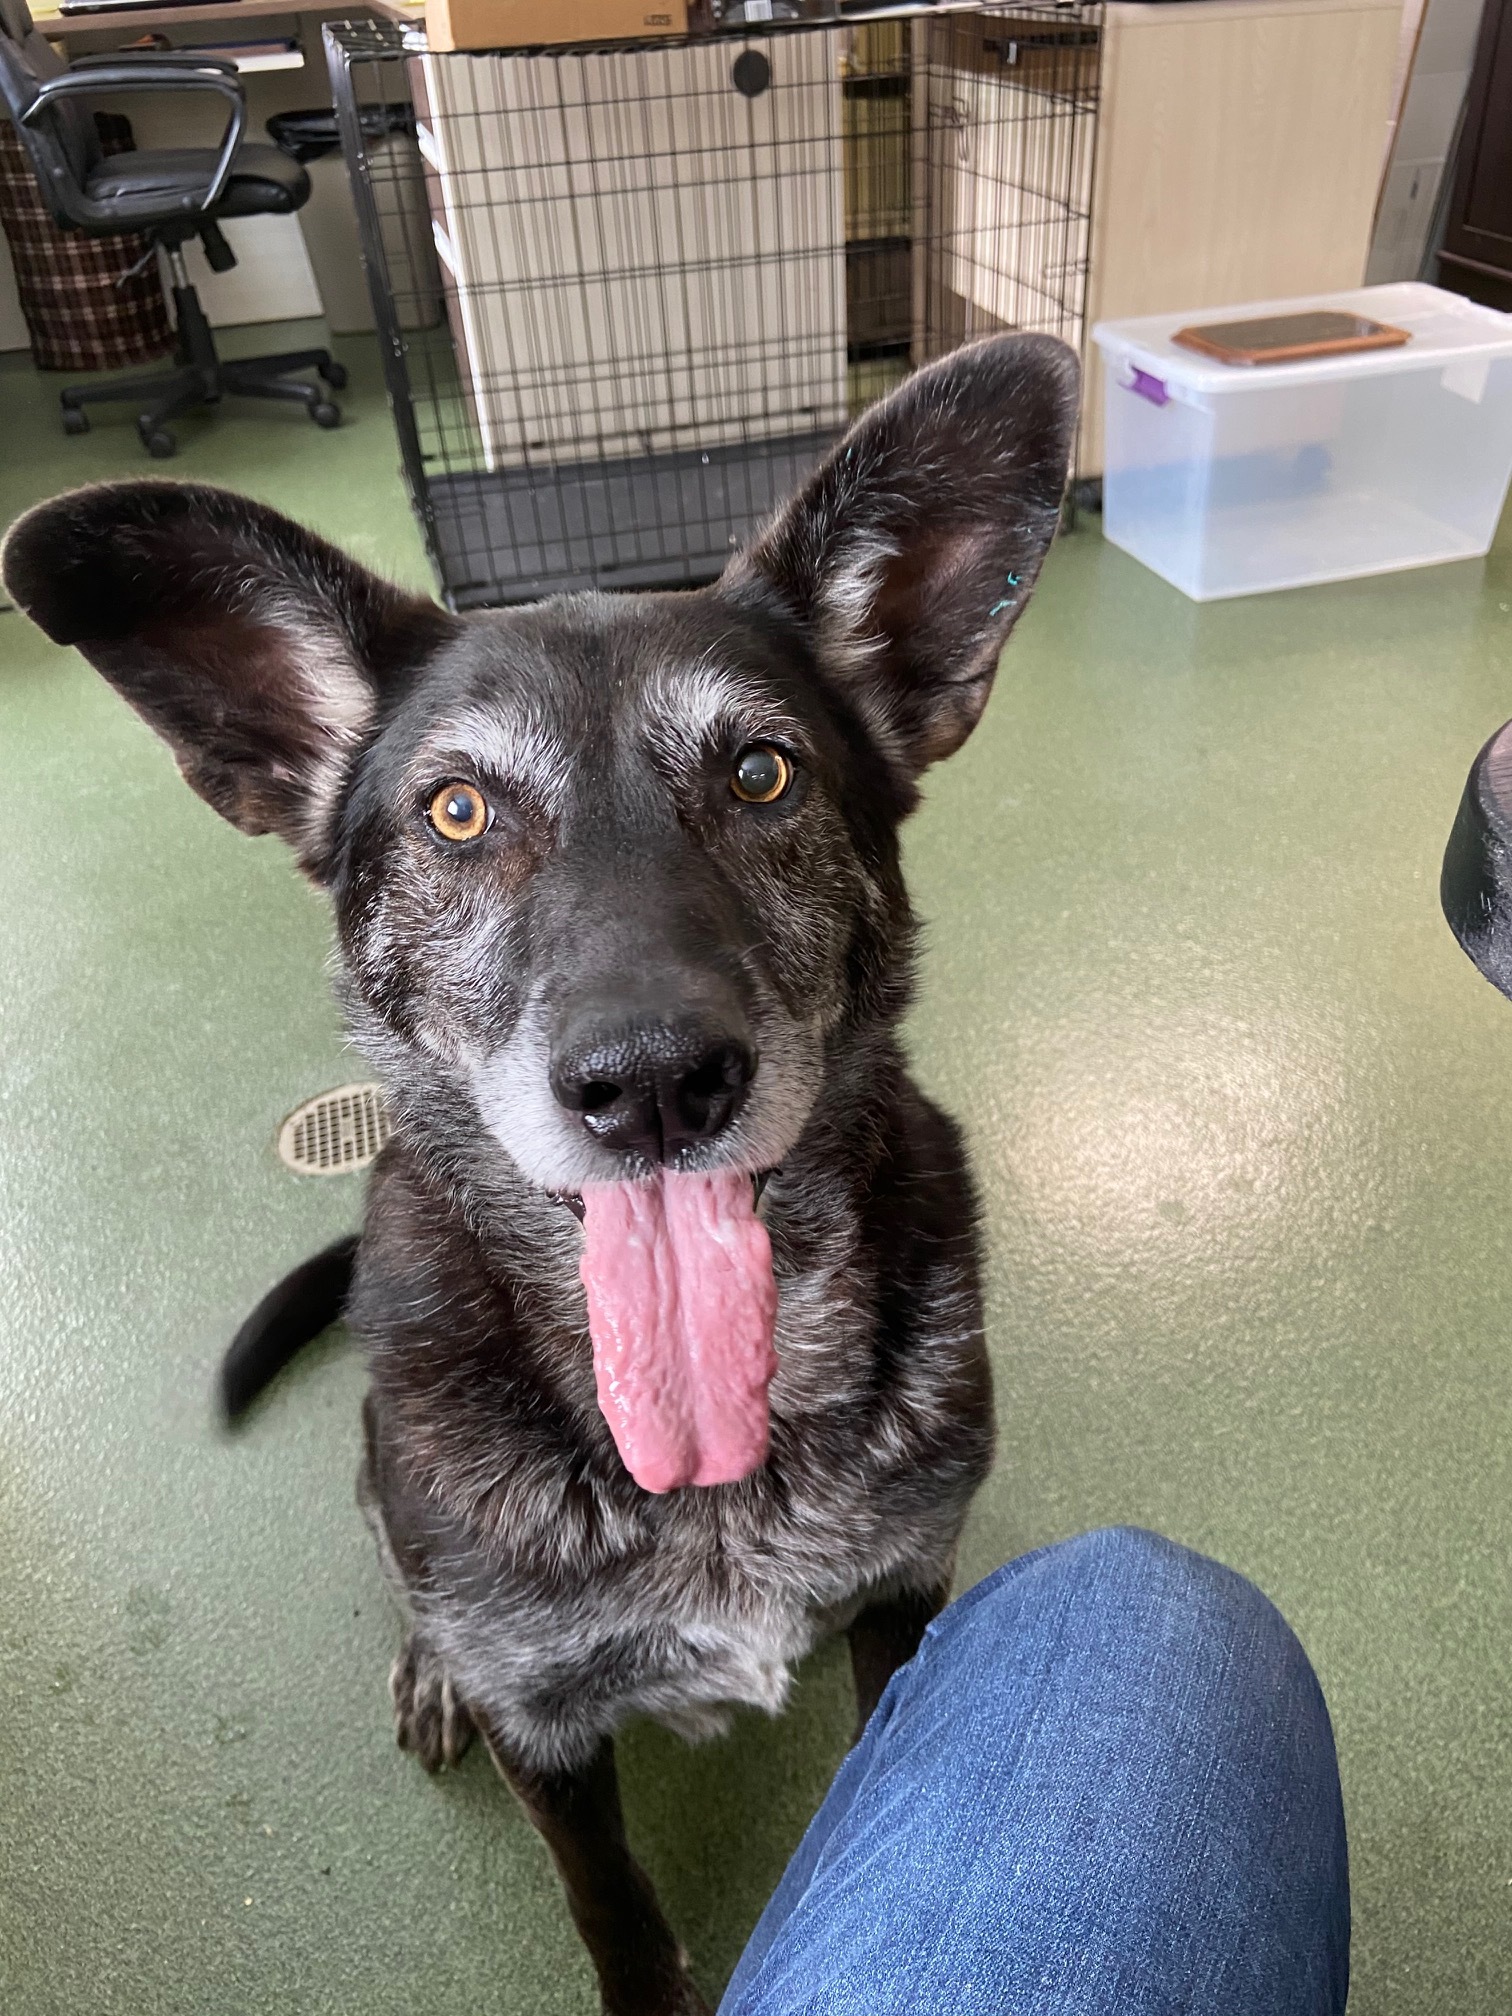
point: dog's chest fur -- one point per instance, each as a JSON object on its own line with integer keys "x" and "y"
{"x": 562, "y": 1597}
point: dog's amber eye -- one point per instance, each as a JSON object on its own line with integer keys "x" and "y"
{"x": 761, "y": 774}
{"x": 459, "y": 812}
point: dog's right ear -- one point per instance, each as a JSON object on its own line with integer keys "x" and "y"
{"x": 260, "y": 654}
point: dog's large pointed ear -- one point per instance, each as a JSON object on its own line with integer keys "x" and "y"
{"x": 910, "y": 552}
{"x": 260, "y": 654}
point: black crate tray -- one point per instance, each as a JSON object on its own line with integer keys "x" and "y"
{"x": 612, "y": 525}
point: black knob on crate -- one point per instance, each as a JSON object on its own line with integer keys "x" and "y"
{"x": 750, "y": 73}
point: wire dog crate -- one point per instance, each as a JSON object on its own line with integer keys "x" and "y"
{"x": 627, "y": 295}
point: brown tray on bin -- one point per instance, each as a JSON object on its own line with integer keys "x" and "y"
{"x": 1289, "y": 339}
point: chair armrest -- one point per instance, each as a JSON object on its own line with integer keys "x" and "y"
{"x": 151, "y": 73}
{"x": 192, "y": 59}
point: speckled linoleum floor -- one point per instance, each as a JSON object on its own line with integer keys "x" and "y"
{"x": 1243, "y": 1118}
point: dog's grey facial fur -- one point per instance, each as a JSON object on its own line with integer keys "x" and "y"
{"x": 620, "y": 864}
{"x": 549, "y": 1595}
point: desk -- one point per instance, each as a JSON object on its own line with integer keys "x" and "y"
{"x": 125, "y": 27}
{"x": 246, "y": 21}
{"x": 288, "y": 267}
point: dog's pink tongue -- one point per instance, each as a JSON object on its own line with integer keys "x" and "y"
{"x": 681, "y": 1307}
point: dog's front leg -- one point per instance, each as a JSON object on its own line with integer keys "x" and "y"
{"x": 642, "y": 1970}
{"x": 886, "y": 1636}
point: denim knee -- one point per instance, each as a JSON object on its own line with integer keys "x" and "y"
{"x": 1146, "y": 1582}
{"x": 1109, "y": 1769}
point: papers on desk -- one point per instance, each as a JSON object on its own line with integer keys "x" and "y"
{"x": 249, "y": 56}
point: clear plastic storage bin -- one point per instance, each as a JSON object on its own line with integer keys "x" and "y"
{"x": 1233, "y": 479}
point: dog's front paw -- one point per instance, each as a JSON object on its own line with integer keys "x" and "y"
{"x": 681, "y": 1999}
{"x": 639, "y": 1982}
{"x": 428, "y": 1717}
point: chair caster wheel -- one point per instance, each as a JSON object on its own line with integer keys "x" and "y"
{"x": 158, "y": 442}
{"x": 325, "y": 414}
{"x": 75, "y": 420}
{"x": 334, "y": 374}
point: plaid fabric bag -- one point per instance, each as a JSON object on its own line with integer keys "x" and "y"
{"x": 85, "y": 307}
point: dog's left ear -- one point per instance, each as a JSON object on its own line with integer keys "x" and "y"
{"x": 910, "y": 552}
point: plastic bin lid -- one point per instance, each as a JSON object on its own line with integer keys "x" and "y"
{"x": 1444, "y": 327}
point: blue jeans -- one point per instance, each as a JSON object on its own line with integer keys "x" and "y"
{"x": 1105, "y": 1784}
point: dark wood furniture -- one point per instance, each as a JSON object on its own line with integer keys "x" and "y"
{"x": 1476, "y": 255}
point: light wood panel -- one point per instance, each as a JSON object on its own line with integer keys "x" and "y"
{"x": 1239, "y": 156}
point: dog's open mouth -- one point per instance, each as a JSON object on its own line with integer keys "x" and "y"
{"x": 682, "y": 1307}
{"x": 572, "y": 1200}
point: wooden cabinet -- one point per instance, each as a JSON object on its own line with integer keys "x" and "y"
{"x": 1239, "y": 155}
{"x": 1476, "y": 255}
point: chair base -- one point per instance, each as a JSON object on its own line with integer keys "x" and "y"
{"x": 201, "y": 378}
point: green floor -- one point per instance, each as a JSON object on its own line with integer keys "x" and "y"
{"x": 1243, "y": 1116}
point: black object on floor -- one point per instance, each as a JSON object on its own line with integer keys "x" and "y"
{"x": 1476, "y": 885}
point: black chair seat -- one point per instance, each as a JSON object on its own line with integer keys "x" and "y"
{"x": 264, "y": 181}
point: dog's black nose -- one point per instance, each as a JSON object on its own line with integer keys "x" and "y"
{"x": 653, "y": 1086}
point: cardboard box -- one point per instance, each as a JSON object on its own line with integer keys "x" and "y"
{"x": 524, "y": 24}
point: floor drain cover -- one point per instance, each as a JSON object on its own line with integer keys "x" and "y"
{"x": 335, "y": 1133}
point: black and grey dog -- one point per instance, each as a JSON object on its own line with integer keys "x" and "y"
{"x": 618, "y": 894}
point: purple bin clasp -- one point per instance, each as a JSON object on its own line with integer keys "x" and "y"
{"x": 1148, "y": 386}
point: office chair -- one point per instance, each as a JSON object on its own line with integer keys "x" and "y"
{"x": 171, "y": 193}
